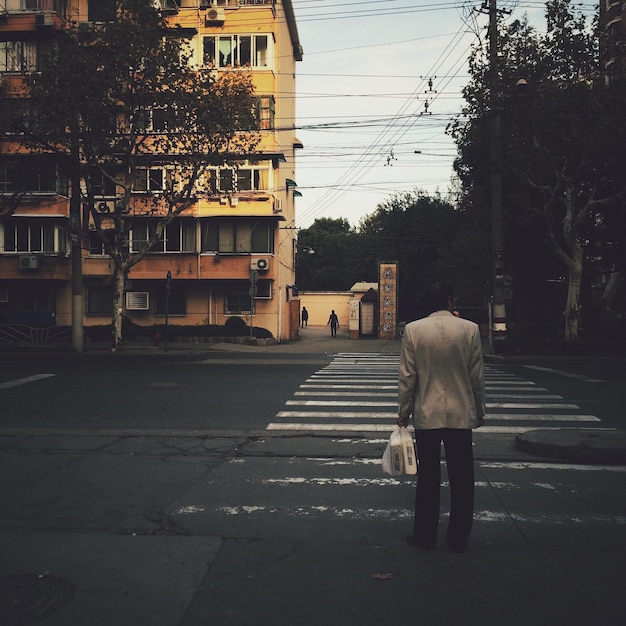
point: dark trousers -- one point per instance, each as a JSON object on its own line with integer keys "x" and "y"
{"x": 460, "y": 462}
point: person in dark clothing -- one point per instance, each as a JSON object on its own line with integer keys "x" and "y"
{"x": 333, "y": 321}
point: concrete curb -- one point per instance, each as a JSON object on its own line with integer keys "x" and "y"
{"x": 585, "y": 446}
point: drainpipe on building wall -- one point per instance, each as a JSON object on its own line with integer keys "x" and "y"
{"x": 280, "y": 314}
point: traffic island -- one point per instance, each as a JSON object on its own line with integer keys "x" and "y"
{"x": 588, "y": 446}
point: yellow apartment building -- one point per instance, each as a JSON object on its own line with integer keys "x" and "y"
{"x": 240, "y": 228}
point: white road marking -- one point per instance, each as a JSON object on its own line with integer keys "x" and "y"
{"x": 377, "y": 428}
{"x": 370, "y": 514}
{"x": 349, "y": 393}
{"x": 24, "y": 381}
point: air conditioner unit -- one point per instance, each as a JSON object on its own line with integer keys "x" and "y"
{"x": 261, "y": 265}
{"x": 137, "y": 301}
{"x": 215, "y": 15}
{"x": 43, "y": 20}
{"x": 105, "y": 207}
{"x": 30, "y": 262}
{"x": 278, "y": 205}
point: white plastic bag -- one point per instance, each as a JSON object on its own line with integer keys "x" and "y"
{"x": 399, "y": 455}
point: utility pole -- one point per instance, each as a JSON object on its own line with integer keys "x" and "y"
{"x": 76, "y": 258}
{"x": 498, "y": 304}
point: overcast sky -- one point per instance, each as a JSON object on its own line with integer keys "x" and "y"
{"x": 379, "y": 82}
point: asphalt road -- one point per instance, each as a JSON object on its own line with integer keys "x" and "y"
{"x": 157, "y": 493}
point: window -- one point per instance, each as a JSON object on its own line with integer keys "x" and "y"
{"x": 36, "y": 299}
{"x": 265, "y": 113}
{"x": 99, "y": 301}
{"x": 178, "y": 236}
{"x": 237, "y": 301}
{"x": 176, "y": 302}
{"x": 14, "y": 115}
{"x": 30, "y": 174}
{"x": 18, "y": 56}
{"x": 231, "y": 180}
{"x": 158, "y": 119}
{"x": 149, "y": 180}
{"x": 45, "y": 5}
{"x": 235, "y": 51}
{"x": 37, "y": 234}
{"x": 96, "y": 245}
{"x": 101, "y": 186}
{"x": 237, "y": 236}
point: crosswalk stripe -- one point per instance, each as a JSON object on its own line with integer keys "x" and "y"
{"x": 351, "y": 393}
{"x": 23, "y": 381}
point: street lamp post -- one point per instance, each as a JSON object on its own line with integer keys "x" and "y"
{"x": 498, "y": 305}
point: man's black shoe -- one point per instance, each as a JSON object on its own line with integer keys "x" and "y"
{"x": 410, "y": 539}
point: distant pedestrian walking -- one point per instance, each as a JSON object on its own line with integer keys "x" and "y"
{"x": 305, "y": 317}
{"x": 333, "y": 321}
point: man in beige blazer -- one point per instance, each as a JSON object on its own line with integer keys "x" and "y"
{"x": 441, "y": 385}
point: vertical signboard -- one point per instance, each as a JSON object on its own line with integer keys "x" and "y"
{"x": 388, "y": 299}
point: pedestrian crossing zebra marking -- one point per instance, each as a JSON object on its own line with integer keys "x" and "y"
{"x": 368, "y": 382}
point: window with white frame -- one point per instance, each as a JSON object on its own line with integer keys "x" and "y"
{"x": 232, "y": 180}
{"x": 97, "y": 246}
{"x": 178, "y": 236}
{"x": 33, "y": 234}
{"x": 43, "y": 5}
{"x": 237, "y": 300}
{"x": 265, "y": 112}
{"x": 222, "y": 51}
{"x": 149, "y": 180}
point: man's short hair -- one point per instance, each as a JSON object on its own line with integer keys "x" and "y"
{"x": 438, "y": 295}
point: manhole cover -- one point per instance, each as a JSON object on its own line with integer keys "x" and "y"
{"x": 25, "y": 598}
{"x": 165, "y": 384}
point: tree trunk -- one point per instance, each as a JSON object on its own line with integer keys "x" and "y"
{"x": 572, "y": 307}
{"x": 119, "y": 284}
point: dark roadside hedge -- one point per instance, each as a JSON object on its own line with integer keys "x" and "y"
{"x": 234, "y": 327}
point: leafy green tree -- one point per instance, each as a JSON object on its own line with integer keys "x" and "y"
{"x": 123, "y": 96}
{"x": 326, "y": 256}
{"x": 431, "y": 240}
{"x": 428, "y": 237}
{"x": 562, "y": 162}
